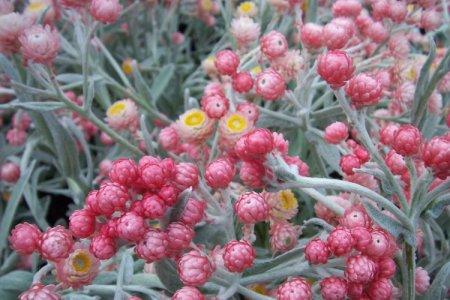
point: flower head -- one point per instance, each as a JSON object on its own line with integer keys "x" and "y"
{"x": 40, "y": 44}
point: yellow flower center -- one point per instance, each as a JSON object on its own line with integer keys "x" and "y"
{"x": 287, "y": 199}
{"x": 256, "y": 70}
{"x": 236, "y": 123}
{"x": 81, "y": 261}
{"x": 410, "y": 8}
{"x": 207, "y": 5}
{"x": 259, "y": 288}
{"x": 195, "y": 118}
{"x": 246, "y": 7}
{"x": 127, "y": 66}
{"x": 36, "y": 6}
{"x": 116, "y": 109}
{"x": 411, "y": 74}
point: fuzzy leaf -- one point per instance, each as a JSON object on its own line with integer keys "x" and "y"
{"x": 441, "y": 283}
{"x": 36, "y": 106}
{"x": 14, "y": 283}
{"x": 161, "y": 81}
{"x": 147, "y": 280}
{"x": 167, "y": 273}
{"x": 8, "y": 68}
{"x": 69, "y": 77}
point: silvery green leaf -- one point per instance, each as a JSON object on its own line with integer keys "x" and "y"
{"x": 177, "y": 209}
{"x": 8, "y": 68}
{"x": 438, "y": 206}
{"x": 106, "y": 277}
{"x": 210, "y": 235}
{"x": 36, "y": 106}
{"x": 441, "y": 283}
{"x": 271, "y": 122}
{"x": 147, "y": 279}
{"x": 87, "y": 153}
{"x": 13, "y": 203}
{"x": 79, "y": 297}
{"x": 69, "y": 77}
{"x": 166, "y": 271}
{"x": 161, "y": 81}
{"x": 67, "y": 47}
{"x": 126, "y": 269}
{"x": 190, "y": 103}
{"x": 146, "y": 135}
{"x": 15, "y": 282}
{"x": 102, "y": 96}
{"x": 329, "y": 153}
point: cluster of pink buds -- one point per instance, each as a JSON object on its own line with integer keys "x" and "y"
{"x": 369, "y": 252}
{"x": 17, "y": 134}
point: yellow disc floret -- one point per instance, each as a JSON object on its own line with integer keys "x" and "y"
{"x": 127, "y": 66}
{"x": 247, "y": 8}
{"x": 36, "y": 6}
{"x": 81, "y": 261}
{"x": 116, "y": 109}
{"x": 236, "y": 123}
{"x": 194, "y": 118}
{"x": 288, "y": 200}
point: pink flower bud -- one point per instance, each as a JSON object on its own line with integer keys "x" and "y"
{"x": 75, "y": 3}
{"x": 422, "y": 280}
{"x": 386, "y": 268}
{"x": 255, "y": 144}
{"x": 195, "y": 268}
{"x": 10, "y": 172}
{"x": 103, "y": 247}
{"x": 111, "y": 197}
{"x": 360, "y": 269}
{"x": 238, "y": 256}
{"x": 273, "y": 44}
{"x": 335, "y": 36}
{"x": 407, "y": 140}
{"x": 56, "y": 243}
{"x": 346, "y": 8}
{"x": 105, "y": 11}
{"x": 430, "y": 20}
{"x": 16, "y": 137}
{"x": 153, "y": 176}
{"x": 335, "y": 67}
{"x": 396, "y": 163}
{"x": 25, "y": 238}
{"x": 226, "y": 62}
{"x": 177, "y": 38}
{"x": 179, "y": 236}
{"x": 362, "y": 237}
{"x": 340, "y": 241}
{"x": 364, "y": 90}
{"x": 317, "y": 252}
{"x": 188, "y": 293}
{"x": 242, "y": 82}
{"x": 387, "y": 134}
{"x": 250, "y": 110}
{"x": 169, "y": 194}
{"x": 251, "y": 208}
{"x": 12, "y": 26}
{"x": 302, "y": 167}
{"x": 336, "y": 133}
{"x": 21, "y": 120}
{"x": 436, "y": 155}
{"x": 219, "y": 173}
{"x": 40, "y": 292}
{"x": 152, "y": 246}
{"x": 124, "y": 172}
{"x": 193, "y": 212}
{"x": 153, "y": 206}
{"x": 333, "y": 288}
{"x": 397, "y": 11}
{"x": 169, "y": 139}
{"x": 40, "y": 44}
{"x": 283, "y": 236}
{"x": 294, "y": 288}
{"x": 355, "y": 216}
{"x": 252, "y": 174}
{"x": 312, "y": 35}
{"x": 348, "y": 163}
{"x": 215, "y": 106}
{"x": 270, "y": 85}
{"x": 186, "y": 176}
{"x": 131, "y": 227}
{"x": 245, "y": 31}
{"x": 82, "y": 223}
{"x": 380, "y": 289}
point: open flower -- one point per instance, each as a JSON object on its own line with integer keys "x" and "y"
{"x": 123, "y": 115}
{"x": 194, "y": 126}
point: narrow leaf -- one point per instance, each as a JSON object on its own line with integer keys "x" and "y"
{"x": 161, "y": 81}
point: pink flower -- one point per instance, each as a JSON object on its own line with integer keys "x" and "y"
{"x": 105, "y": 11}
{"x": 336, "y": 133}
{"x": 364, "y": 90}
{"x": 380, "y": 289}
{"x": 215, "y": 106}
{"x": 335, "y": 36}
{"x": 238, "y": 256}
{"x": 152, "y": 246}
{"x": 387, "y": 134}
{"x": 179, "y": 236}
{"x": 21, "y": 120}
{"x": 226, "y": 62}
{"x": 273, "y": 44}
{"x": 360, "y": 269}
{"x": 124, "y": 171}
{"x": 153, "y": 206}
{"x": 311, "y": 35}
{"x": 379, "y": 245}
{"x": 153, "y": 175}
{"x": 40, "y": 44}
{"x": 195, "y": 268}
{"x": 169, "y": 194}
{"x": 79, "y": 269}
{"x": 40, "y": 292}
{"x": 245, "y": 31}
{"x": 16, "y": 137}
{"x": 195, "y": 126}
{"x": 288, "y": 65}
{"x": 219, "y": 173}
{"x": 25, "y": 238}
{"x": 407, "y": 140}
{"x": 430, "y": 20}
{"x": 340, "y": 241}
{"x": 103, "y": 247}
{"x": 177, "y": 38}
{"x": 252, "y": 174}
{"x": 186, "y": 176}
{"x": 283, "y": 236}
{"x": 250, "y": 110}
{"x": 169, "y": 139}
{"x": 111, "y": 197}
{"x": 82, "y": 223}
{"x": 9, "y": 172}
{"x": 301, "y": 166}
{"x": 328, "y": 215}
{"x": 362, "y": 237}
{"x": 6, "y": 7}
{"x": 317, "y": 252}
{"x": 349, "y": 162}
{"x": 242, "y": 82}
{"x": 11, "y": 27}
{"x": 254, "y": 145}
{"x": 280, "y": 143}
{"x": 436, "y": 155}
{"x": 422, "y": 280}
{"x": 75, "y": 4}
{"x": 251, "y": 208}
{"x": 56, "y": 243}
{"x": 270, "y": 85}
{"x": 377, "y": 32}
{"x": 397, "y": 11}
{"x": 123, "y": 115}
{"x": 335, "y": 67}
{"x": 193, "y": 212}
{"x": 355, "y": 216}
{"x": 386, "y": 267}
{"x": 131, "y": 227}
{"x": 188, "y": 293}
{"x": 293, "y": 289}
{"x": 399, "y": 45}
{"x": 333, "y": 288}
{"x": 346, "y": 8}
{"x": 396, "y": 163}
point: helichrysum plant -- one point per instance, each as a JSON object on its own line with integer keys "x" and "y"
{"x": 210, "y": 149}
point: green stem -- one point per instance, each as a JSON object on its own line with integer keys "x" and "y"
{"x": 409, "y": 278}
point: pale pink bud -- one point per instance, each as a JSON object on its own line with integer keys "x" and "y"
{"x": 312, "y": 35}
{"x": 270, "y": 85}
{"x": 238, "y": 256}
{"x": 193, "y": 212}
{"x": 242, "y": 82}
{"x": 399, "y": 46}
{"x": 186, "y": 176}
{"x": 335, "y": 36}
{"x": 11, "y": 27}
{"x": 288, "y": 65}
{"x": 152, "y": 246}
{"x": 215, "y": 106}
{"x": 25, "y": 238}
{"x": 273, "y": 44}
{"x": 250, "y": 110}
{"x": 188, "y": 293}
{"x": 177, "y": 38}
{"x": 283, "y": 236}
{"x": 346, "y": 8}
{"x": 56, "y": 243}
{"x": 106, "y": 140}
{"x": 168, "y": 138}
{"x": 226, "y": 62}
{"x": 179, "y": 236}
{"x": 355, "y": 216}
{"x": 364, "y": 90}
{"x": 105, "y": 11}
{"x": 328, "y": 215}
{"x": 16, "y": 137}
{"x": 336, "y": 133}
{"x": 294, "y": 288}
{"x": 194, "y": 268}
{"x": 40, "y": 292}
{"x": 6, "y": 7}
{"x": 252, "y": 174}
{"x": 396, "y": 163}
{"x": 251, "y": 208}
{"x": 21, "y": 120}
{"x": 40, "y": 44}
{"x": 245, "y": 31}
{"x": 9, "y": 172}
{"x": 333, "y": 288}
{"x": 82, "y": 223}
{"x": 219, "y": 173}
{"x": 380, "y": 289}
{"x": 377, "y": 32}
{"x": 335, "y": 67}
{"x": 397, "y": 11}
{"x": 103, "y": 247}
{"x": 301, "y": 166}
{"x": 430, "y": 20}
{"x": 380, "y": 9}
{"x": 422, "y": 280}
{"x": 387, "y": 134}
